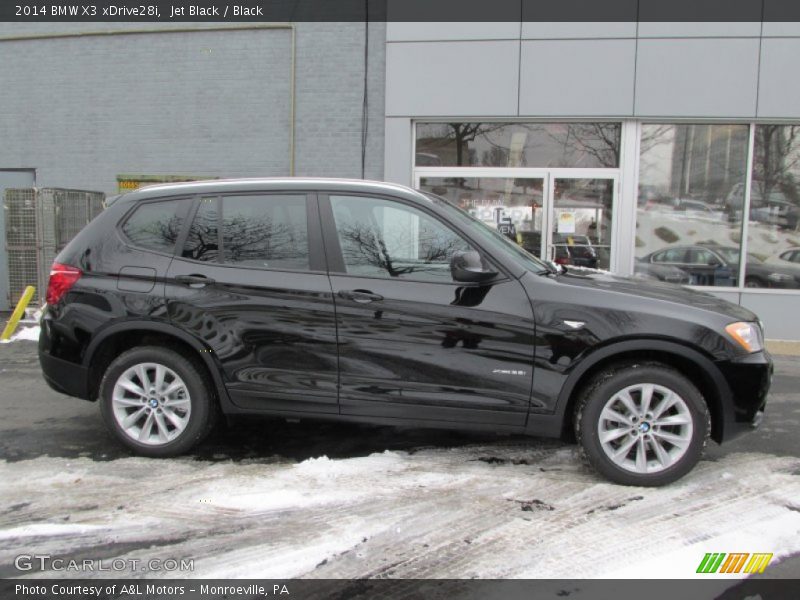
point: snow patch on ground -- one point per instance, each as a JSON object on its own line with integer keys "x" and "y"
{"x": 24, "y": 333}
{"x": 780, "y": 531}
{"x": 498, "y": 510}
{"x": 47, "y": 529}
{"x": 323, "y": 466}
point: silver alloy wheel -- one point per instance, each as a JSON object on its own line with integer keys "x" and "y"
{"x": 151, "y": 404}
{"x": 645, "y": 428}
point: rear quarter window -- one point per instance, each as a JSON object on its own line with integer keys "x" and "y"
{"x": 156, "y": 225}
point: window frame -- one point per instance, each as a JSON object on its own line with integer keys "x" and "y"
{"x": 335, "y": 257}
{"x": 316, "y": 256}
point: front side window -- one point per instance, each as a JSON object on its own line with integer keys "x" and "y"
{"x": 266, "y": 231}
{"x": 700, "y": 256}
{"x": 156, "y": 225}
{"x": 381, "y": 238}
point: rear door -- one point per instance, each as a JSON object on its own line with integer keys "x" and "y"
{"x": 251, "y": 281}
{"x": 413, "y": 343}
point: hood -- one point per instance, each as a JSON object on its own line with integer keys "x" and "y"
{"x": 655, "y": 290}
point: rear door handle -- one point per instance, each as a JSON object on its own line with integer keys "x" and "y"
{"x": 194, "y": 281}
{"x": 360, "y": 296}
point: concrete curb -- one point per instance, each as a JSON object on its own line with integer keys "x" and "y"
{"x": 785, "y": 347}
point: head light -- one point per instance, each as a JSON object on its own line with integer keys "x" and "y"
{"x": 747, "y": 335}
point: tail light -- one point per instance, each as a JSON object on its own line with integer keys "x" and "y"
{"x": 62, "y": 278}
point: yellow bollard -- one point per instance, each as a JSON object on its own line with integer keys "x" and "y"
{"x": 18, "y": 312}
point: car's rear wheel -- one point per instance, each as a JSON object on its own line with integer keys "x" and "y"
{"x": 642, "y": 424}
{"x": 156, "y": 401}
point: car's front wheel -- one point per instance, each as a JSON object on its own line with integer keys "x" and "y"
{"x": 754, "y": 282}
{"x": 156, "y": 401}
{"x": 642, "y": 424}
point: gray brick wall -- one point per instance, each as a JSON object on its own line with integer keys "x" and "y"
{"x": 81, "y": 110}
{"x": 330, "y": 84}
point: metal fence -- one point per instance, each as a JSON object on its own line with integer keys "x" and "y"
{"x": 39, "y": 223}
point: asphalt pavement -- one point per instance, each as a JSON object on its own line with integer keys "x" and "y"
{"x": 37, "y": 421}
{"x": 314, "y": 499}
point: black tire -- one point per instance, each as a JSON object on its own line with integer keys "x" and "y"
{"x": 603, "y": 387}
{"x": 203, "y": 413}
{"x": 754, "y": 282}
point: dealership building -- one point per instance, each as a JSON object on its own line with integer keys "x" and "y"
{"x": 667, "y": 151}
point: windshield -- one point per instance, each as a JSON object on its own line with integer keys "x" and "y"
{"x": 491, "y": 236}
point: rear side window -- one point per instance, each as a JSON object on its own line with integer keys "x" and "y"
{"x": 156, "y": 225}
{"x": 673, "y": 255}
{"x": 265, "y": 231}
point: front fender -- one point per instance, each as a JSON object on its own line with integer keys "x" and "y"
{"x": 716, "y": 390}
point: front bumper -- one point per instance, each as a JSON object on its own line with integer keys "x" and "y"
{"x": 749, "y": 378}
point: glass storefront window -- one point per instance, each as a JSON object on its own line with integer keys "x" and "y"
{"x": 581, "y": 228}
{"x": 514, "y": 207}
{"x": 546, "y": 145}
{"x": 690, "y": 203}
{"x": 773, "y": 235}
{"x": 517, "y": 207}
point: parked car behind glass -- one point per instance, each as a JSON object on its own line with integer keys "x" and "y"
{"x": 712, "y": 264}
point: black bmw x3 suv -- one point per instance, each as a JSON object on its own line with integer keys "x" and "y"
{"x": 367, "y": 301}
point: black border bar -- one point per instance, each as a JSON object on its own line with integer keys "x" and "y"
{"x": 399, "y": 10}
{"x": 386, "y": 589}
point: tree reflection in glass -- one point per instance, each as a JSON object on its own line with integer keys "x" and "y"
{"x": 384, "y": 239}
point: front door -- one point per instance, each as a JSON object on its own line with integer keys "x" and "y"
{"x": 250, "y": 280}
{"x": 413, "y": 343}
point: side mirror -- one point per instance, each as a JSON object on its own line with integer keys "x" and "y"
{"x": 469, "y": 267}
{"x": 713, "y": 262}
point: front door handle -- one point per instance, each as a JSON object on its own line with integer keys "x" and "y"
{"x": 194, "y": 281}
{"x": 360, "y": 296}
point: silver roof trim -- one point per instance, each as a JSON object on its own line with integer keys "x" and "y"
{"x": 273, "y": 181}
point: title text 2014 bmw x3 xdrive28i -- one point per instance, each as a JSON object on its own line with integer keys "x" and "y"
{"x": 373, "y": 302}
